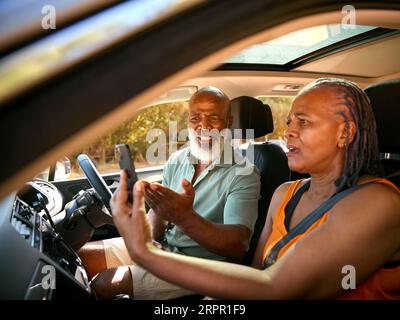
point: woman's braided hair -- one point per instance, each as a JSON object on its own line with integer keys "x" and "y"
{"x": 362, "y": 154}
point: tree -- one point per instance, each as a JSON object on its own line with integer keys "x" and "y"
{"x": 280, "y": 107}
{"x": 134, "y": 132}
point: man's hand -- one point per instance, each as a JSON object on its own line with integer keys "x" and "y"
{"x": 131, "y": 221}
{"x": 169, "y": 205}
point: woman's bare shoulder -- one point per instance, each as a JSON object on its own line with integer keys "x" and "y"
{"x": 374, "y": 198}
{"x": 379, "y": 188}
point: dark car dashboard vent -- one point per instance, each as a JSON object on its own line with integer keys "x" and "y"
{"x": 27, "y": 223}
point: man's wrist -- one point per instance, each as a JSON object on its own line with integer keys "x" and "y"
{"x": 189, "y": 220}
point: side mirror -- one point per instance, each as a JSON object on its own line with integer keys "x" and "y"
{"x": 63, "y": 169}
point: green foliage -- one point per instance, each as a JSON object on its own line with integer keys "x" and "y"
{"x": 134, "y": 132}
{"x": 280, "y": 107}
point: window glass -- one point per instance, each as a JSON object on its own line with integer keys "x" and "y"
{"x": 154, "y": 128}
{"x": 280, "y": 107}
{"x": 297, "y": 44}
{"x": 151, "y": 129}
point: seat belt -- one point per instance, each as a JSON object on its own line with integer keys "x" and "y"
{"x": 306, "y": 223}
{"x": 292, "y": 204}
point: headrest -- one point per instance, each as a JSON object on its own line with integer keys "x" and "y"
{"x": 385, "y": 101}
{"x": 251, "y": 113}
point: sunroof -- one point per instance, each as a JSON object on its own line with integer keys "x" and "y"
{"x": 296, "y": 44}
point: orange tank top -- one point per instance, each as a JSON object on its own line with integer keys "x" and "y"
{"x": 383, "y": 284}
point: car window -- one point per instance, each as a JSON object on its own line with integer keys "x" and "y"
{"x": 280, "y": 107}
{"x": 150, "y": 135}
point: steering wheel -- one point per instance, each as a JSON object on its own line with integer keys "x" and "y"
{"x": 95, "y": 180}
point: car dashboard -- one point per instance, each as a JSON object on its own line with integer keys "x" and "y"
{"x": 36, "y": 262}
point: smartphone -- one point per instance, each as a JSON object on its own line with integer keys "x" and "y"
{"x": 126, "y": 163}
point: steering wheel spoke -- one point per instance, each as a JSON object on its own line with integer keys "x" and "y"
{"x": 96, "y": 180}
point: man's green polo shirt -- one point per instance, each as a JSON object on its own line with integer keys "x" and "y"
{"x": 225, "y": 193}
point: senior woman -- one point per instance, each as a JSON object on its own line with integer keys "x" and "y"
{"x": 331, "y": 135}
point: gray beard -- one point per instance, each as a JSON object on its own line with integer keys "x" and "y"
{"x": 203, "y": 151}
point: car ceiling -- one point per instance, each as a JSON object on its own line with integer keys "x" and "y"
{"x": 364, "y": 65}
{"x": 372, "y": 60}
{"x": 258, "y": 83}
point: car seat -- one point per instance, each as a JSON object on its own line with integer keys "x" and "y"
{"x": 385, "y": 97}
{"x": 270, "y": 159}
